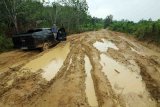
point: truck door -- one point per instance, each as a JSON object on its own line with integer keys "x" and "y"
{"x": 50, "y": 36}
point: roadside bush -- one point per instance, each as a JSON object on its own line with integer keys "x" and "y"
{"x": 5, "y": 43}
{"x": 144, "y": 30}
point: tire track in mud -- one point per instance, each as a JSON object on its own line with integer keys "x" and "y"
{"x": 90, "y": 90}
{"x": 148, "y": 61}
{"x": 105, "y": 95}
{"x": 23, "y": 87}
{"x": 148, "y": 67}
{"x": 9, "y": 77}
{"x": 151, "y": 77}
{"x": 12, "y": 75}
{"x": 122, "y": 58}
{"x": 68, "y": 88}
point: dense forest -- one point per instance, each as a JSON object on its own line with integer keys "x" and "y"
{"x": 20, "y": 15}
{"x": 144, "y": 29}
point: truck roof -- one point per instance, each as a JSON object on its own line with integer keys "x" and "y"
{"x": 42, "y": 29}
{"x": 37, "y": 30}
{"x": 32, "y": 31}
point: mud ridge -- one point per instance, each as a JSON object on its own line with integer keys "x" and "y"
{"x": 151, "y": 84}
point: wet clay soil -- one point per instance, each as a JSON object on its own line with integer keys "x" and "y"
{"x": 91, "y": 69}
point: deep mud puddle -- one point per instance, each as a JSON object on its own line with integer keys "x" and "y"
{"x": 52, "y": 68}
{"x": 103, "y": 46}
{"x": 50, "y": 62}
{"x": 127, "y": 84}
{"x": 90, "y": 91}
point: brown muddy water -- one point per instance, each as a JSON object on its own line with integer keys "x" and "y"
{"x": 90, "y": 91}
{"x": 52, "y": 68}
{"x": 126, "y": 83}
{"x": 50, "y": 62}
{"x": 103, "y": 46}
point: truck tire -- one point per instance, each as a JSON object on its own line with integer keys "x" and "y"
{"x": 45, "y": 47}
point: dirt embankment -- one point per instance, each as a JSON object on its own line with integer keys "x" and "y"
{"x": 98, "y": 69}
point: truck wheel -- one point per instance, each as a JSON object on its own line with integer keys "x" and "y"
{"x": 45, "y": 46}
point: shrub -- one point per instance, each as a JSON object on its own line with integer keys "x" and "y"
{"x": 143, "y": 30}
{"x": 5, "y": 43}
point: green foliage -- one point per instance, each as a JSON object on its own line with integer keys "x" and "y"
{"x": 5, "y": 43}
{"x": 108, "y": 20}
{"x": 123, "y": 26}
{"x": 20, "y": 15}
{"x": 144, "y": 29}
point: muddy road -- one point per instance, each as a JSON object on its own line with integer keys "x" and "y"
{"x": 92, "y": 69}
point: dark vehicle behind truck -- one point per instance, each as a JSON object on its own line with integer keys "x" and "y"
{"x": 36, "y": 38}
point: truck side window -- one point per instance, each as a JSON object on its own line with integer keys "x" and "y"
{"x": 39, "y": 33}
{"x": 48, "y": 31}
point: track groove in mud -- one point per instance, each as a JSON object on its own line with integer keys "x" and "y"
{"x": 126, "y": 83}
{"x": 90, "y": 91}
{"x": 104, "y": 92}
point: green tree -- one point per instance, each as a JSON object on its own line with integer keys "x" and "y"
{"x": 108, "y": 20}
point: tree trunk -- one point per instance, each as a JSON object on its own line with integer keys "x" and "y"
{"x": 16, "y": 24}
{"x": 15, "y": 16}
{"x": 55, "y": 18}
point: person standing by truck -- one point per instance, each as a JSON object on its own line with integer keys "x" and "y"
{"x": 54, "y": 30}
